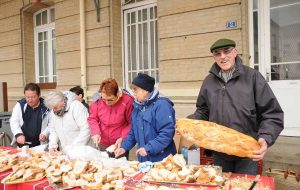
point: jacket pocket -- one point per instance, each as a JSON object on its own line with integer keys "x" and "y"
{"x": 251, "y": 121}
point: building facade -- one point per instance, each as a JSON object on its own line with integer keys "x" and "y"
{"x": 63, "y": 43}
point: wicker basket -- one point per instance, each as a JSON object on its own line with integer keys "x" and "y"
{"x": 285, "y": 179}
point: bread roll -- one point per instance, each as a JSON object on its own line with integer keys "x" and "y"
{"x": 164, "y": 173}
{"x": 179, "y": 160}
{"x": 80, "y": 167}
{"x": 28, "y": 175}
{"x": 172, "y": 177}
{"x": 189, "y": 179}
{"x": 88, "y": 176}
{"x": 183, "y": 174}
{"x": 216, "y": 137}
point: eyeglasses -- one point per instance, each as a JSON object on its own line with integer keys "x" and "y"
{"x": 225, "y": 51}
{"x": 111, "y": 100}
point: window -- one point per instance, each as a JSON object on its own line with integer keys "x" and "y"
{"x": 274, "y": 37}
{"x": 140, "y": 42}
{"x": 44, "y": 45}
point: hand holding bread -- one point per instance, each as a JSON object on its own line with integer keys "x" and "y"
{"x": 259, "y": 154}
{"x": 119, "y": 151}
{"x": 216, "y": 137}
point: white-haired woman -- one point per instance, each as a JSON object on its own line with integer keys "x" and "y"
{"x": 68, "y": 123}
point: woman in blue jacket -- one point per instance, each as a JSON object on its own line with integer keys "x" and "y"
{"x": 152, "y": 122}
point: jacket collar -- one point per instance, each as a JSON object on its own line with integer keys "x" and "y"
{"x": 215, "y": 69}
{"x": 44, "y": 108}
{"x": 153, "y": 96}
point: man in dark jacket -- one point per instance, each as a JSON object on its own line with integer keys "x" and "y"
{"x": 30, "y": 118}
{"x": 237, "y": 96}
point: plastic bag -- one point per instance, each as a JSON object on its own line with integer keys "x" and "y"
{"x": 42, "y": 147}
{"x": 114, "y": 163}
{"x": 82, "y": 152}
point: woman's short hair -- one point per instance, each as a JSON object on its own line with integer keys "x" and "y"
{"x": 53, "y": 98}
{"x": 109, "y": 86}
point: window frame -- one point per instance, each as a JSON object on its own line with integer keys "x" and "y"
{"x": 286, "y": 91}
{"x": 49, "y": 27}
{"x": 135, "y": 7}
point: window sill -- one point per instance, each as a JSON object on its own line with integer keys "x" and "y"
{"x": 51, "y": 85}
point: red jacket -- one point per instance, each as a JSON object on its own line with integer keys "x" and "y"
{"x": 111, "y": 122}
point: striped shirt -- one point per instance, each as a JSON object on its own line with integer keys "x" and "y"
{"x": 226, "y": 76}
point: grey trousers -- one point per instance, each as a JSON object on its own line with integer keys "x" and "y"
{"x": 241, "y": 166}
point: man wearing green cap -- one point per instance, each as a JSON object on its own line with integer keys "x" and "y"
{"x": 237, "y": 96}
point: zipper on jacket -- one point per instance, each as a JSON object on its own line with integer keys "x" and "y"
{"x": 223, "y": 95}
{"x": 223, "y": 86}
{"x": 109, "y": 125}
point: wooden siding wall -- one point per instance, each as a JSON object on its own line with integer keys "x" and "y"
{"x": 103, "y": 44}
{"x": 186, "y": 31}
{"x": 11, "y": 69}
{"x": 67, "y": 26}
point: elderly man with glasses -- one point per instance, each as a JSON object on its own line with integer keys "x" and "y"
{"x": 237, "y": 96}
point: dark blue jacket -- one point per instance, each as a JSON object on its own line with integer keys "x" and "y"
{"x": 44, "y": 109}
{"x": 32, "y": 128}
{"x": 152, "y": 127}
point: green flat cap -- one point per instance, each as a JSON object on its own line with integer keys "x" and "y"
{"x": 222, "y": 43}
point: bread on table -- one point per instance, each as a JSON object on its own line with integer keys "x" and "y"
{"x": 179, "y": 160}
{"x": 216, "y": 137}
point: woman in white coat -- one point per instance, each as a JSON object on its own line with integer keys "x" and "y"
{"x": 68, "y": 123}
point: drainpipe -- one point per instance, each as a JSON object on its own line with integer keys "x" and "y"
{"x": 82, "y": 47}
{"x": 112, "y": 73}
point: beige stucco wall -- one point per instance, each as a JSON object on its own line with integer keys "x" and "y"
{"x": 186, "y": 31}
{"x": 98, "y": 43}
{"x": 11, "y": 69}
{"x": 103, "y": 44}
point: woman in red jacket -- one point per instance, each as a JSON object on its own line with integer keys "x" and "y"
{"x": 110, "y": 115}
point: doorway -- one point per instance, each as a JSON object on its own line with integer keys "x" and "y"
{"x": 275, "y": 52}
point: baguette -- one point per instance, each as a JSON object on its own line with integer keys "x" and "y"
{"x": 216, "y": 137}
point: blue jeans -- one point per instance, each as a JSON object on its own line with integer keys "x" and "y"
{"x": 241, "y": 166}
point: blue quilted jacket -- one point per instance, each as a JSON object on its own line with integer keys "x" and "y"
{"x": 152, "y": 127}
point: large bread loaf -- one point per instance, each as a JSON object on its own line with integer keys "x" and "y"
{"x": 216, "y": 137}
